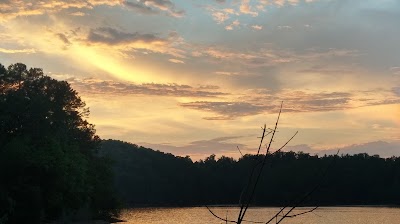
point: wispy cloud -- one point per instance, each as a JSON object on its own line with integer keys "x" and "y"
{"x": 124, "y": 41}
{"x": 227, "y": 110}
{"x": 154, "y": 7}
{"x": 200, "y": 149}
{"x": 245, "y": 8}
{"x": 396, "y": 91}
{"x": 13, "y": 8}
{"x": 395, "y": 70}
{"x": 271, "y": 56}
{"x": 233, "y": 25}
{"x": 227, "y": 73}
{"x": 381, "y": 148}
{"x": 111, "y": 36}
{"x": 176, "y": 61}
{"x": 139, "y": 7}
{"x": 221, "y": 15}
{"x": 17, "y": 51}
{"x": 327, "y": 69}
{"x": 96, "y": 86}
{"x": 257, "y": 27}
{"x": 285, "y": 27}
{"x": 63, "y": 38}
{"x": 254, "y": 103}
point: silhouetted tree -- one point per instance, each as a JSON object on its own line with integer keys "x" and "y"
{"x": 48, "y": 152}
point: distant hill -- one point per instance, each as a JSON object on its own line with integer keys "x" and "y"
{"x": 145, "y": 177}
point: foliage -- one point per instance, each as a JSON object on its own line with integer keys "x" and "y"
{"x": 49, "y": 166}
{"x": 151, "y": 178}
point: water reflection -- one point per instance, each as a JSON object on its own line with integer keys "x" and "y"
{"x": 323, "y": 215}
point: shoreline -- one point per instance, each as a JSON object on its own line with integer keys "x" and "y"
{"x": 262, "y": 206}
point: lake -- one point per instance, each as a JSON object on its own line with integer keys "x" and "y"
{"x": 323, "y": 215}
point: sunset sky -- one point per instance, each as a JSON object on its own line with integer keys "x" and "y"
{"x": 196, "y": 77}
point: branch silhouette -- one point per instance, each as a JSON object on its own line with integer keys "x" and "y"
{"x": 248, "y": 192}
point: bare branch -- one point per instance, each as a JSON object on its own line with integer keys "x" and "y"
{"x": 248, "y": 191}
{"x": 287, "y": 142}
{"x": 302, "y": 213}
{"x": 262, "y": 138}
{"x": 243, "y": 209}
{"x": 226, "y": 220}
{"x": 312, "y": 191}
{"x": 239, "y": 150}
{"x": 216, "y": 216}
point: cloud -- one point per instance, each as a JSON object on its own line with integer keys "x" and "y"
{"x": 396, "y": 91}
{"x": 234, "y": 24}
{"x": 223, "y": 146}
{"x": 395, "y": 70}
{"x": 17, "y": 51}
{"x": 227, "y": 73}
{"x": 176, "y": 61}
{"x": 281, "y": 3}
{"x": 63, "y": 38}
{"x": 15, "y": 8}
{"x": 200, "y": 149}
{"x": 154, "y": 7}
{"x": 140, "y": 7}
{"x": 327, "y": 69}
{"x": 285, "y": 27}
{"x": 126, "y": 41}
{"x": 294, "y": 2}
{"x": 381, "y": 148}
{"x": 96, "y": 86}
{"x": 228, "y": 110}
{"x": 379, "y": 96}
{"x": 257, "y": 27}
{"x": 245, "y": 8}
{"x": 257, "y": 58}
{"x": 77, "y": 14}
{"x": 220, "y": 17}
{"x": 254, "y": 103}
{"x": 111, "y": 36}
{"x": 269, "y": 56}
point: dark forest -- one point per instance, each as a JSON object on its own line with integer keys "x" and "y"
{"x": 145, "y": 177}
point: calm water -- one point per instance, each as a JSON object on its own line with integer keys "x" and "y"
{"x": 324, "y": 215}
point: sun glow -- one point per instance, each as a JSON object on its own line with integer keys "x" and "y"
{"x": 111, "y": 65}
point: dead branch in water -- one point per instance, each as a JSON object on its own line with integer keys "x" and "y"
{"x": 247, "y": 195}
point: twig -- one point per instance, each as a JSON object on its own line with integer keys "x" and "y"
{"x": 216, "y": 216}
{"x": 245, "y": 189}
{"x": 226, "y": 220}
{"x": 302, "y": 213}
{"x": 310, "y": 192}
{"x": 262, "y": 138}
{"x": 239, "y": 150}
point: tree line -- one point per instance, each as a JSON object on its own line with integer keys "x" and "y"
{"x": 145, "y": 177}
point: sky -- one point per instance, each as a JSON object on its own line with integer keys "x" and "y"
{"x": 201, "y": 77}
